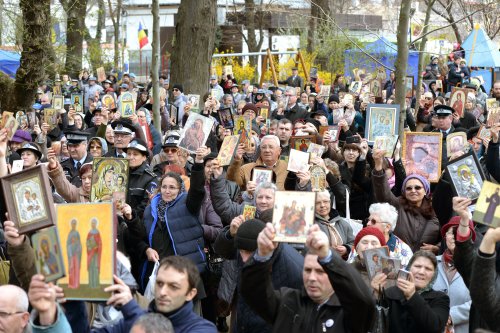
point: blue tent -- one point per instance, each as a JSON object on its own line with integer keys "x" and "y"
{"x": 480, "y": 51}
{"x": 382, "y": 50}
{"x": 9, "y": 62}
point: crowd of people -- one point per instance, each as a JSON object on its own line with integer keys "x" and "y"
{"x": 184, "y": 222}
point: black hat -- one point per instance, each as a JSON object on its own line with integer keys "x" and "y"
{"x": 472, "y": 132}
{"x": 97, "y": 109}
{"x": 123, "y": 126}
{"x": 178, "y": 87}
{"x": 209, "y": 157}
{"x": 333, "y": 98}
{"x": 294, "y": 68}
{"x": 76, "y": 137}
{"x": 138, "y": 145}
{"x": 171, "y": 139}
{"x": 315, "y": 122}
{"x": 443, "y": 110}
{"x": 246, "y": 236}
{"x": 31, "y": 147}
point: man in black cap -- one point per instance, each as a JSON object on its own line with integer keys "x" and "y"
{"x": 123, "y": 131}
{"x": 239, "y": 241}
{"x": 77, "y": 148}
{"x": 142, "y": 181}
{"x": 442, "y": 119}
{"x": 294, "y": 80}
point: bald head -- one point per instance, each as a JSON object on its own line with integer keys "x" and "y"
{"x": 14, "y": 304}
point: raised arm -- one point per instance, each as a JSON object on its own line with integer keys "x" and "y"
{"x": 381, "y": 190}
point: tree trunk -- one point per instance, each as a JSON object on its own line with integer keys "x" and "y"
{"x": 115, "y": 19}
{"x": 320, "y": 11}
{"x": 155, "y": 10}
{"x": 36, "y": 39}
{"x": 75, "y": 22}
{"x": 402, "y": 60}
{"x": 94, "y": 44}
{"x": 253, "y": 45}
{"x": 423, "y": 42}
{"x": 194, "y": 45}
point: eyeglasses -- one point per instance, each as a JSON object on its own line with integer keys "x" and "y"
{"x": 411, "y": 188}
{"x": 373, "y": 221}
{"x": 428, "y": 98}
{"x": 170, "y": 150}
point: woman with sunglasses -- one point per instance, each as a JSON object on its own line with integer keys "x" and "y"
{"x": 417, "y": 223}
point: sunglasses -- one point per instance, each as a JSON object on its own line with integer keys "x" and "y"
{"x": 175, "y": 89}
{"x": 411, "y": 188}
{"x": 170, "y": 150}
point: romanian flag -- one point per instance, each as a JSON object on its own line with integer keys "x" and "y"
{"x": 143, "y": 38}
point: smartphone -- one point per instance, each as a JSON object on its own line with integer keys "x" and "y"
{"x": 404, "y": 274}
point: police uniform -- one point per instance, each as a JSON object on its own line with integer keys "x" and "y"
{"x": 444, "y": 111}
{"x": 123, "y": 127}
{"x": 71, "y": 168}
{"x": 142, "y": 181}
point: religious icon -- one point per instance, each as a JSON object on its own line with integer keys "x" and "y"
{"x": 195, "y": 133}
{"x": 381, "y": 120}
{"x": 315, "y": 150}
{"x": 195, "y": 101}
{"x": 373, "y": 260}
{"x": 486, "y": 210}
{"x": 249, "y": 212}
{"x": 48, "y": 258}
{"x": 456, "y": 142}
{"x": 422, "y": 154}
{"x": 127, "y": 105}
{"x": 293, "y": 215}
{"x": 108, "y": 101}
{"x": 301, "y": 142}
{"x": 226, "y": 118}
{"x": 387, "y": 143}
{"x": 318, "y": 178}
{"x": 88, "y": 232}
{"x": 298, "y": 160}
{"x": 58, "y": 102}
{"x": 227, "y": 149}
{"x": 109, "y": 176}
{"x": 261, "y": 175}
{"x": 466, "y": 176}
{"x": 457, "y": 101}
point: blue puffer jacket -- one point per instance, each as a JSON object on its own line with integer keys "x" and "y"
{"x": 181, "y": 219}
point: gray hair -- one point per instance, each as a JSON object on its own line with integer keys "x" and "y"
{"x": 292, "y": 90}
{"x": 324, "y": 192}
{"x": 265, "y": 186}
{"x": 271, "y": 137}
{"x": 20, "y": 296}
{"x": 386, "y": 212}
{"x": 154, "y": 323}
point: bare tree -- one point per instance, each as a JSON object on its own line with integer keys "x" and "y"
{"x": 36, "y": 37}
{"x": 194, "y": 44}
{"x": 421, "y": 47}
{"x": 402, "y": 60}
{"x": 472, "y": 11}
{"x": 320, "y": 11}
{"x": 94, "y": 43}
{"x": 115, "y": 15}
{"x": 75, "y": 23}
{"x": 155, "y": 10}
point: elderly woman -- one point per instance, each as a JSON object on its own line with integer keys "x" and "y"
{"x": 384, "y": 217}
{"x": 413, "y": 304}
{"x": 451, "y": 282}
{"x": 337, "y": 229}
{"x": 262, "y": 196}
{"x": 417, "y": 223}
{"x": 368, "y": 238}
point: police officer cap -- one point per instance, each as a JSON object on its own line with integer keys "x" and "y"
{"x": 261, "y": 91}
{"x": 443, "y": 110}
{"x": 138, "y": 145}
{"x": 124, "y": 86}
{"x": 121, "y": 126}
{"x": 31, "y": 147}
{"x": 92, "y": 78}
{"x": 75, "y": 137}
{"x": 171, "y": 139}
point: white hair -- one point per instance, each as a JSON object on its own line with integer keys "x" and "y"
{"x": 265, "y": 186}
{"x": 271, "y": 137}
{"x": 324, "y": 192}
{"x": 386, "y": 212}
{"x": 19, "y": 295}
